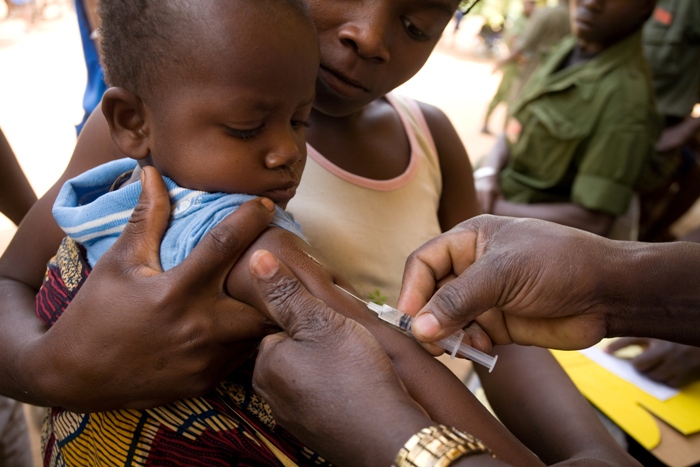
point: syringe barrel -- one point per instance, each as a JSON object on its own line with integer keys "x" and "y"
{"x": 452, "y": 344}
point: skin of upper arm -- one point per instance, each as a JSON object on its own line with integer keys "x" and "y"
{"x": 23, "y": 264}
{"x": 431, "y": 384}
{"x": 458, "y": 200}
{"x": 569, "y": 214}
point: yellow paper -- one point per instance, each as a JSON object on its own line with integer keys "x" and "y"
{"x": 682, "y": 412}
{"x": 629, "y": 406}
{"x": 612, "y": 395}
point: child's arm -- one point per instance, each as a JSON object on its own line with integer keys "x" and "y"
{"x": 444, "y": 397}
{"x": 16, "y": 194}
{"x": 546, "y": 411}
{"x": 569, "y": 214}
{"x": 458, "y": 201}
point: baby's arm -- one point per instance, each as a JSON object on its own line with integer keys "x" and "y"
{"x": 441, "y": 394}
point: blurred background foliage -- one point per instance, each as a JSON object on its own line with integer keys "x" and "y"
{"x": 497, "y": 12}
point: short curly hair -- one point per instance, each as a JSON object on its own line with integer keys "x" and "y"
{"x": 141, "y": 39}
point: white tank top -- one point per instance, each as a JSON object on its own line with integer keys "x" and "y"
{"x": 364, "y": 228}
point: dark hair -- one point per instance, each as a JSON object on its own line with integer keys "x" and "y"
{"x": 141, "y": 39}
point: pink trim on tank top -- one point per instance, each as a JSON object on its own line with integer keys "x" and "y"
{"x": 392, "y": 183}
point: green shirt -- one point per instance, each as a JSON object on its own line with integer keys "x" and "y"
{"x": 672, "y": 45}
{"x": 583, "y": 134}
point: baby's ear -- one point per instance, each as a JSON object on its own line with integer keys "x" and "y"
{"x": 126, "y": 116}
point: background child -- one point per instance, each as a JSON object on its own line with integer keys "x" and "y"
{"x": 385, "y": 173}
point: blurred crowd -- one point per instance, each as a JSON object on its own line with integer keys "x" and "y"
{"x": 658, "y": 172}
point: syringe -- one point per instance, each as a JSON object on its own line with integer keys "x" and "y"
{"x": 452, "y": 344}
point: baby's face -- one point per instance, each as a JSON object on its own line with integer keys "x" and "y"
{"x": 234, "y": 121}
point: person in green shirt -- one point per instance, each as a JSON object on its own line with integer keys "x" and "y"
{"x": 671, "y": 41}
{"x": 580, "y": 139}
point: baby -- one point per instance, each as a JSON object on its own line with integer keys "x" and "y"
{"x": 217, "y": 109}
{"x": 215, "y": 95}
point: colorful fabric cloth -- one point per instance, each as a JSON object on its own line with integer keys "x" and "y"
{"x": 231, "y": 425}
{"x": 66, "y": 272}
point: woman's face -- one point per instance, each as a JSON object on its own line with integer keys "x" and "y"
{"x": 369, "y": 47}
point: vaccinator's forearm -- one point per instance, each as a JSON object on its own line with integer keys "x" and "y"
{"x": 652, "y": 290}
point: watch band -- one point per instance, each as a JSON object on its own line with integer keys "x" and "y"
{"x": 438, "y": 446}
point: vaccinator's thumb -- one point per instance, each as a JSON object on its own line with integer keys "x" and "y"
{"x": 454, "y": 306}
{"x": 300, "y": 314}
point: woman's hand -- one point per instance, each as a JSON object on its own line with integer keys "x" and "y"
{"x": 135, "y": 336}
